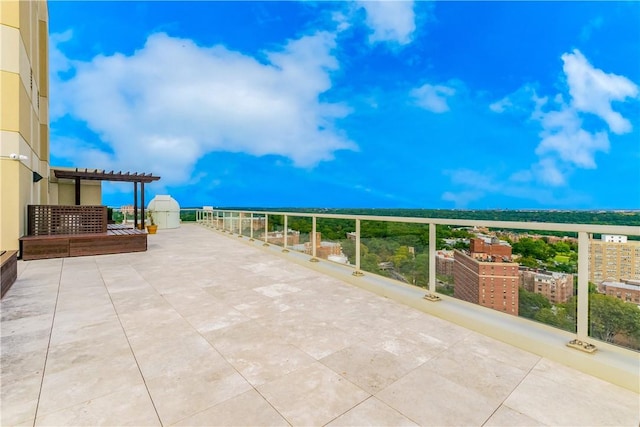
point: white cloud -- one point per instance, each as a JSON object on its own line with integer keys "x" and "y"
{"x": 547, "y": 172}
{"x": 433, "y": 98}
{"x": 172, "y": 101}
{"x": 564, "y": 137}
{"x": 501, "y": 106}
{"x": 565, "y": 144}
{"x": 592, "y": 91}
{"x": 519, "y": 102}
{"x": 462, "y": 199}
{"x": 390, "y": 20}
{"x": 591, "y": 26}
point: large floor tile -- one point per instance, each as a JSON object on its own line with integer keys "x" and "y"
{"x": 477, "y": 369}
{"x": 80, "y": 382}
{"x": 131, "y": 407}
{"x": 182, "y": 394}
{"x": 431, "y": 399}
{"x": 246, "y": 409}
{"x": 318, "y": 338}
{"x": 558, "y": 395}
{"x": 312, "y": 396}
{"x": 372, "y": 412}
{"x": 370, "y": 369}
{"x": 507, "y": 417}
{"x": 19, "y": 399}
{"x": 267, "y": 360}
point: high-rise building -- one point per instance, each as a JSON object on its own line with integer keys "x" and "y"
{"x": 24, "y": 117}
{"x": 487, "y": 276}
{"x": 613, "y": 258}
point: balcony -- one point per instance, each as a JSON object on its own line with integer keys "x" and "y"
{"x": 206, "y": 328}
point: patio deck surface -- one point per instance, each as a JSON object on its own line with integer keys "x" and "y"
{"x": 203, "y": 329}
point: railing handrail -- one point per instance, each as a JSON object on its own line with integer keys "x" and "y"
{"x": 521, "y": 225}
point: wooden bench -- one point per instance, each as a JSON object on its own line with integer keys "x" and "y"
{"x": 8, "y": 270}
{"x": 115, "y": 241}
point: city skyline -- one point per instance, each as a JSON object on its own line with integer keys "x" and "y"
{"x": 445, "y": 105}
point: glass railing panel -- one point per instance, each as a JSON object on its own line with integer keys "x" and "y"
{"x": 275, "y": 234}
{"x": 188, "y": 215}
{"x": 299, "y": 234}
{"x": 258, "y": 222}
{"x": 245, "y": 224}
{"x": 518, "y": 272}
{"x": 397, "y": 250}
{"x": 335, "y": 240}
{"x": 614, "y": 290}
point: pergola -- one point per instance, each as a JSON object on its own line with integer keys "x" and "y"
{"x": 98, "y": 175}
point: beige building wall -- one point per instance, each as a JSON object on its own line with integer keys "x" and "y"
{"x": 24, "y": 114}
{"x": 613, "y": 261}
{"x": 63, "y": 191}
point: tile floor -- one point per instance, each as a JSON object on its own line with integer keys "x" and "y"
{"x": 204, "y": 329}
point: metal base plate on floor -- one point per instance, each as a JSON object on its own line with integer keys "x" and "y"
{"x": 582, "y": 346}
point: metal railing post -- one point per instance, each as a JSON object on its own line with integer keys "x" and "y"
{"x": 266, "y": 230}
{"x": 358, "y": 272}
{"x": 251, "y": 229}
{"x": 313, "y": 240}
{"x": 284, "y": 244}
{"x": 431, "y": 295}
{"x": 240, "y": 224}
{"x": 582, "y": 316}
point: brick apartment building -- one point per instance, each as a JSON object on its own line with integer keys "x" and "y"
{"x": 444, "y": 263}
{"x": 487, "y": 276}
{"x": 324, "y": 250}
{"x": 556, "y": 287}
{"x": 626, "y": 290}
{"x": 277, "y": 237}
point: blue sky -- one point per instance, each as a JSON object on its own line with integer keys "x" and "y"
{"x": 475, "y": 105}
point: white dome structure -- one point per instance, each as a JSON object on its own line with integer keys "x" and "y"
{"x": 165, "y": 211}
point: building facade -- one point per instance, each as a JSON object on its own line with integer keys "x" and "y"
{"x": 444, "y": 263}
{"x": 613, "y": 259}
{"x": 488, "y": 280}
{"x": 24, "y": 117}
{"x": 277, "y": 237}
{"x": 627, "y": 290}
{"x": 480, "y": 248}
{"x": 556, "y": 287}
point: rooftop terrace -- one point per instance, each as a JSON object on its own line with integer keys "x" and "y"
{"x": 206, "y": 329}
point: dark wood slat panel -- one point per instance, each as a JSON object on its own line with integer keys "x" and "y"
{"x": 8, "y": 270}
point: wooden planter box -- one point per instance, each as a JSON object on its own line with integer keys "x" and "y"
{"x": 8, "y": 270}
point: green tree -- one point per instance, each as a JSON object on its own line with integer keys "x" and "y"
{"x": 530, "y": 303}
{"x": 370, "y": 263}
{"x": 529, "y": 262}
{"x": 401, "y": 256}
{"x": 562, "y": 247}
{"x": 557, "y": 316}
{"x": 534, "y": 248}
{"x": 610, "y": 316}
{"x": 349, "y": 249}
